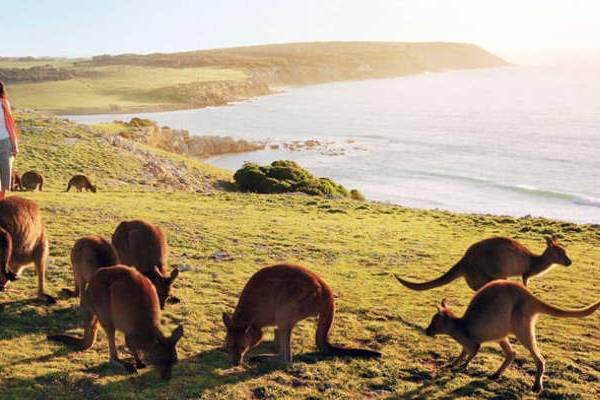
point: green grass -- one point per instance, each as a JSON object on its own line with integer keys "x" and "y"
{"x": 111, "y": 88}
{"x": 354, "y": 246}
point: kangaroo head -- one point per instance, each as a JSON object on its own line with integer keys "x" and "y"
{"x": 442, "y": 321}
{"x": 93, "y": 188}
{"x": 163, "y": 353}
{"x": 163, "y": 284}
{"x": 556, "y": 253}
{"x": 240, "y": 339}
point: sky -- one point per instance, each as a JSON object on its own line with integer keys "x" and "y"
{"x": 81, "y": 28}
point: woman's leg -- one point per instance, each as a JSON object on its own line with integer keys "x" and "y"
{"x": 6, "y": 160}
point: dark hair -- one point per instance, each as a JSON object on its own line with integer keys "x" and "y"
{"x": 2, "y": 90}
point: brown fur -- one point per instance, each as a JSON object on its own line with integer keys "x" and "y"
{"x": 89, "y": 254}
{"x": 23, "y": 241}
{"x": 16, "y": 184}
{"x": 143, "y": 246}
{"x": 120, "y": 298}
{"x": 499, "y": 309}
{"x": 32, "y": 180}
{"x": 497, "y": 258}
{"x": 283, "y": 295}
{"x": 81, "y": 182}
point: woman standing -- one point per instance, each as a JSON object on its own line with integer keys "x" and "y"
{"x": 9, "y": 142}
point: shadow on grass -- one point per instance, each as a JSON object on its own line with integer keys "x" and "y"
{"x": 31, "y": 316}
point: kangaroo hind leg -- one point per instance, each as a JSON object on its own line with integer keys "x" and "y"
{"x": 526, "y": 335}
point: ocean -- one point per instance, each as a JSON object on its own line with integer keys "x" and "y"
{"x": 518, "y": 140}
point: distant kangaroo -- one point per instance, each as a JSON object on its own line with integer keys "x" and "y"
{"x": 497, "y": 258}
{"x": 16, "y": 184}
{"x": 81, "y": 182}
{"x": 89, "y": 254}
{"x": 32, "y": 180}
{"x": 283, "y": 295}
{"x": 500, "y": 308}
{"x": 120, "y": 298}
{"x": 22, "y": 241}
{"x": 142, "y": 245}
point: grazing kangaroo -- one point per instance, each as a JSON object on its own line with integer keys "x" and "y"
{"x": 497, "y": 258}
{"x": 120, "y": 298}
{"x": 81, "y": 182}
{"x": 16, "y": 184}
{"x": 282, "y": 295}
{"x": 142, "y": 245}
{"x": 499, "y": 309}
{"x": 32, "y": 180}
{"x": 22, "y": 241}
{"x": 88, "y": 255}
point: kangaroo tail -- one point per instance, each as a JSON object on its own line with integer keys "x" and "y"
{"x": 68, "y": 187}
{"x": 326, "y": 316}
{"x": 453, "y": 273}
{"x": 545, "y": 308}
{"x": 71, "y": 341}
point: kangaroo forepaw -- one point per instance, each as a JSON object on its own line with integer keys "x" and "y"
{"x": 47, "y": 298}
{"x": 173, "y": 300}
{"x": 537, "y": 387}
{"x": 129, "y": 367}
{"x": 11, "y": 276}
{"x": 494, "y": 376}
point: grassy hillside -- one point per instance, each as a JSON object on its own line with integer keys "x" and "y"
{"x": 354, "y": 246}
{"x": 60, "y": 149}
{"x": 130, "y": 82}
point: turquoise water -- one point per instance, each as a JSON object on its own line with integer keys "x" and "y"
{"x": 511, "y": 141}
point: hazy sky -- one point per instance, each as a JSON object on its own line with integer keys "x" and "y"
{"x": 86, "y": 27}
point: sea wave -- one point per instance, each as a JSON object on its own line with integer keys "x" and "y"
{"x": 576, "y": 198}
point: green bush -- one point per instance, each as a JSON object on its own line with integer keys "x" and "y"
{"x": 356, "y": 195}
{"x": 283, "y": 177}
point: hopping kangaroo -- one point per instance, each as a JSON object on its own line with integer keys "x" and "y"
{"x": 143, "y": 246}
{"x": 22, "y": 242}
{"x": 88, "y": 255}
{"x": 81, "y": 182}
{"x": 497, "y": 258}
{"x": 120, "y": 298}
{"x": 500, "y": 308}
{"x": 281, "y": 296}
{"x": 32, "y": 180}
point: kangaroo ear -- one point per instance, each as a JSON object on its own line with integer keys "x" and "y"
{"x": 227, "y": 320}
{"x": 174, "y": 274}
{"x": 157, "y": 271}
{"x": 549, "y": 241}
{"x": 177, "y": 334}
{"x": 444, "y": 303}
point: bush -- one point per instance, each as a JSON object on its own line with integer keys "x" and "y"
{"x": 283, "y": 177}
{"x": 356, "y": 195}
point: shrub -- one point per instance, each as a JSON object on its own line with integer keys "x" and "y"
{"x": 285, "y": 176}
{"x": 356, "y": 195}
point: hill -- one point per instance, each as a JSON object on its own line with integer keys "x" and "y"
{"x": 353, "y": 245}
{"x": 152, "y": 82}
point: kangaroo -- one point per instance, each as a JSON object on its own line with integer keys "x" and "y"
{"x": 81, "y": 182}
{"x": 16, "y": 184}
{"x": 88, "y": 255}
{"x": 32, "y": 180}
{"x": 282, "y": 295}
{"x": 497, "y": 310}
{"x": 142, "y": 245}
{"x": 497, "y": 258}
{"x": 120, "y": 298}
{"x": 22, "y": 241}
